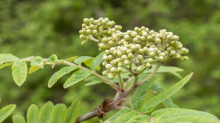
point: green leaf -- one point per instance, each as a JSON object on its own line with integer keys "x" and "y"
{"x": 88, "y": 63}
{"x": 18, "y": 119}
{"x": 45, "y": 112}
{"x": 7, "y": 58}
{"x": 59, "y": 74}
{"x": 58, "y": 113}
{"x": 166, "y": 94}
{"x": 82, "y": 59}
{"x": 175, "y": 115}
{"x": 169, "y": 69}
{"x": 158, "y": 89}
{"x": 6, "y": 111}
{"x": 76, "y": 77}
{"x": 118, "y": 115}
{"x": 97, "y": 61}
{"x": 33, "y": 114}
{"x": 127, "y": 117}
{"x": 72, "y": 58}
{"x": 138, "y": 119}
{"x": 72, "y": 112}
{"x": 36, "y": 64}
{"x": 140, "y": 94}
{"x": 52, "y": 59}
{"x": 28, "y": 58}
{"x": 1, "y": 59}
{"x": 37, "y": 61}
{"x": 5, "y": 65}
{"x": 92, "y": 83}
{"x": 19, "y": 72}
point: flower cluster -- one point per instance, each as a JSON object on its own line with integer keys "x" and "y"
{"x": 140, "y": 46}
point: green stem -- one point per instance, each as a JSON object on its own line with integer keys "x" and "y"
{"x": 151, "y": 75}
{"x": 121, "y": 83}
{"x": 131, "y": 87}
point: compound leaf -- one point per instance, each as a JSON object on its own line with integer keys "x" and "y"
{"x": 76, "y": 77}
{"x": 19, "y": 72}
{"x": 45, "y": 112}
{"x": 6, "y": 111}
{"x": 72, "y": 112}
{"x": 58, "y": 113}
{"x": 18, "y": 119}
{"x": 59, "y": 74}
{"x": 33, "y": 114}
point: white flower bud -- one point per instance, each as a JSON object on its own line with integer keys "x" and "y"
{"x": 108, "y": 66}
{"x": 105, "y": 72}
{"x": 139, "y": 68}
{"x": 126, "y": 62}
{"x": 148, "y": 65}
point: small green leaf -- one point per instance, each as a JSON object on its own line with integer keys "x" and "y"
{"x": 93, "y": 83}
{"x": 175, "y": 115}
{"x": 82, "y": 59}
{"x": 168, "y": 103}
{"x": 19, "y": 72}
{"x": 127, "y": 117}
{"x": 72, "y": 112}
{"x": 88, "y": 63}
{"x": 97, "y": 61}
{"x": 72, "y": 58}
{"x": 6, "y": 111}
{"x": 36, "y": 64}
{"x": 45, "y": 112}
{"x": 140, "y": 94}
{"x": 5, "y": 65}
{"x": 33, "y": 114}
{"x": 28, "y": 58}
{"x": 59, "y": 74}
{"x": 166, "y": 94}
{"x": 37, "y": 61}
{"x": 52, "y": 59}
{"x": 118, "y": 115}
{"x": 1, "y": 59}
{"x": 138, "y": 119}
{"x": 169, "y": 69}
{"x": 77, "y": 76}
{"x": 8, "y": 57}
{"x": 18, "y": 119}
{"x": 58, "y": 113}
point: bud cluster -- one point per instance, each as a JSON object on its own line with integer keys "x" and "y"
{"x": 140, "y": 46}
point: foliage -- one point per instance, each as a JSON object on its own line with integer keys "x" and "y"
{"x": 131, "y": 51}
{"x": 42, "y": 28}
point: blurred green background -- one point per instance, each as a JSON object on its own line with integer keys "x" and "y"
{"x": 45, "y": 27}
